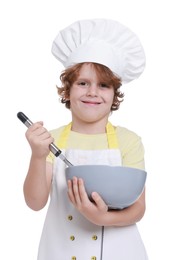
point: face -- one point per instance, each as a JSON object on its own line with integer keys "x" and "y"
{"x": 90, "y": 99}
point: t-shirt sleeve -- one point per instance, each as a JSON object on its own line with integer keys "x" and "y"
{"x": 132, "y": 149}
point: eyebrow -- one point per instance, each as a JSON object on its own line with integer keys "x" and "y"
{"x": 82, "y": 79}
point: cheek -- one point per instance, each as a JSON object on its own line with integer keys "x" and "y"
{"x": 72, "y": 94}
{"x": 110, "y": 97}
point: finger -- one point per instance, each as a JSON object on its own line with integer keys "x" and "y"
{"x": 46, "y": 135}
{"x": 36, "y": 125}
{"x": 70, "y": 191}
{"x": 75, "y": 188}
{"x": 40, "y": 131}
{"x": 34, "y": 129}
{"x": 82, "y": 190}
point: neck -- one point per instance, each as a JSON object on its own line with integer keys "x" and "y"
{"x": 89, "y": 127}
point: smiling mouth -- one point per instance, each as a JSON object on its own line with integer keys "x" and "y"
{"x": 91, "y": 103}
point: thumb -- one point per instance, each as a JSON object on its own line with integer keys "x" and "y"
{"x": 40, "y": 122}
{"x": 99, "y": 201}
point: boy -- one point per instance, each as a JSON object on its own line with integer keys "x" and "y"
{"x": 99, "y": 55}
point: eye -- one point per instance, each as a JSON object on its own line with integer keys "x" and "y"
{"x": 104, "y": 85}
{"x": 82, "y": 83}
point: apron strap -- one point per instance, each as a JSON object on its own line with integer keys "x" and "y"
{"x": 110, "y": 131}
{"x": 111, "y": 136}
{"x": 64, "y": 136}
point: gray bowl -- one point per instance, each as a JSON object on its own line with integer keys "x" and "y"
{"x": 119, "y": 186}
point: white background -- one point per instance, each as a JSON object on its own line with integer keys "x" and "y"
{"x": 28, "y": 75}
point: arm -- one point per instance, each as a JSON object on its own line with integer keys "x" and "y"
{"x": 38, "y": 180}
{"x": 127, "y": 216}
{"x": 133, "y": 156}
{"x": 98, "y": 212}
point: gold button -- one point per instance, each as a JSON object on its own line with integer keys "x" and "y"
{"x": 73, "y": 258}
{"x": 93, "y": 258}
{"x": 70, "y": 217}
{"x": 72, "y": 238}
{"x": 94, "y": 237}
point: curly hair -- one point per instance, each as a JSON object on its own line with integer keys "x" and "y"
{"x": 70, "y": 75}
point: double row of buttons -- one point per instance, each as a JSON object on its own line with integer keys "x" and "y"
{"x": 94, "y": 237}
{"x": 72, "y": 238}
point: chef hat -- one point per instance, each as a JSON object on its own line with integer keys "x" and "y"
{"x": 102, "y": 41}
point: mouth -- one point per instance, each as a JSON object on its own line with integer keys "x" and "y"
{"x": 91, "y": 102}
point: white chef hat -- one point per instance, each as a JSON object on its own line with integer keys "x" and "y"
{"x": 102, "y": 41}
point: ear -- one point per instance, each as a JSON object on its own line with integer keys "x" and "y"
{"x": 66, "y": 97}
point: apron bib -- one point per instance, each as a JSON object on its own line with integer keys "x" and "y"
{"x": 67, "y": 235}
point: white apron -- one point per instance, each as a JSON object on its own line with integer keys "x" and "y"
{"x": 67, "y": 235}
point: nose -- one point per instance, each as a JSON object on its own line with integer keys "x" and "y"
{"x": 92, "y": 90}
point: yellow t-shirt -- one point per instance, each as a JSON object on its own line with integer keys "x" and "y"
{"x": 130, "y": 145}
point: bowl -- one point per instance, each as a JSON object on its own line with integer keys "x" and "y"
{"x": 118, "y": 186}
